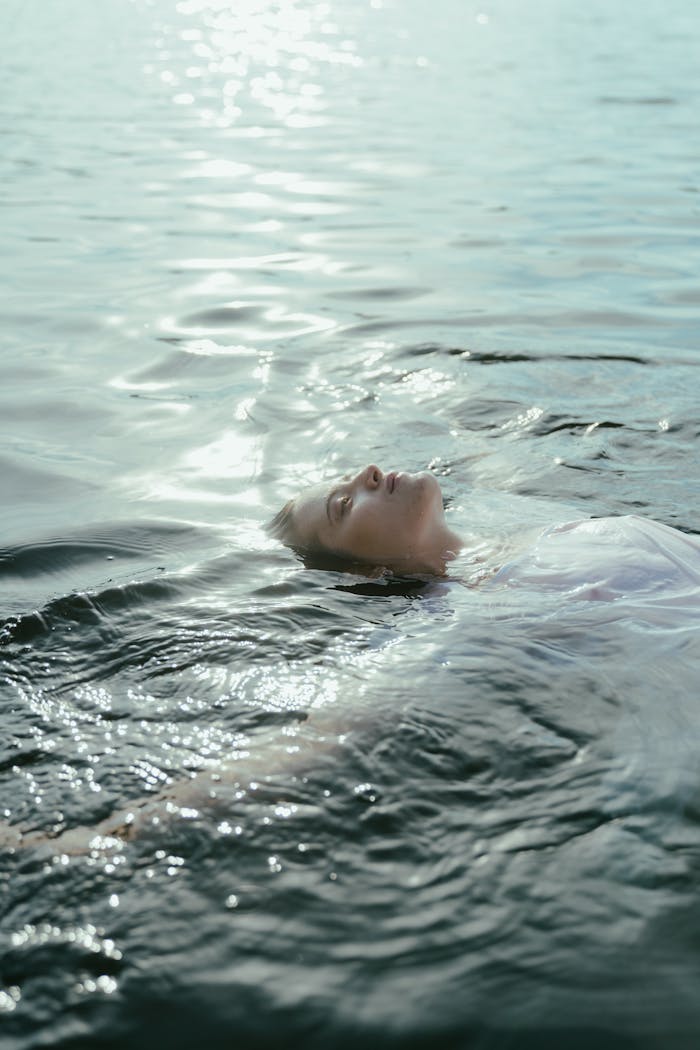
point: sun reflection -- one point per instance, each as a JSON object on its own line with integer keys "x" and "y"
{"x": 232, "y": 454}
{"x": 217, "y": 168}
{"x": 426, "y": 384}
{"x": 305, "y": 690}
{"x": 87, "y": 938}
{"x": 256, "y": 54}
{"x": 524, "y": 419}
{"x": 9, "y": 997}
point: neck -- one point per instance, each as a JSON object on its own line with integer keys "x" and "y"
{"x": 433, "y": 559}
{"x": 450, "y": 547}
{"x": 452, "y": 544}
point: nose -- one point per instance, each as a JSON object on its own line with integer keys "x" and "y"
{"x": 372, "y": 476}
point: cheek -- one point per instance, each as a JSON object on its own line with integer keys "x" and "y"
{"x": 373, "y": 528}
{"x": 382, "y": 528}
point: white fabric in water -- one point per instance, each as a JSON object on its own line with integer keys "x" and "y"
{"x": 608, "y": 559}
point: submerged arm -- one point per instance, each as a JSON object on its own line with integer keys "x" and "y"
{"x": 284, "y": 752}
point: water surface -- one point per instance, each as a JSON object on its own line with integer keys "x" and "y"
{"x": 246, "y": 247}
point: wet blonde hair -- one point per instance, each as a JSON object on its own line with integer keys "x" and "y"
{"x": 315, "y": 555}
{"x": 282, "y": 525}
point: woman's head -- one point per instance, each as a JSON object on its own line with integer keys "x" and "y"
{"x": 395, "y": 521}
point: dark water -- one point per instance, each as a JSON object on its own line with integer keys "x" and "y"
{"x": 250, "y": 246}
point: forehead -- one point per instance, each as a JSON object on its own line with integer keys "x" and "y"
{"x": 310, "y": 516}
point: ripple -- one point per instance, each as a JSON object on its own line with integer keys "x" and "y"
{"x": 573, "y": 319}
{"x": 23, "y": 482}
{"x": 639, "y": 100}
{"x": 505, "y": 357}
{"x": 255, "y": 322}
{"x": 57, "y": 554}
{"x": 223, "y": 316}
{"x": 684, "y": 297}
{"x": 407, "y": 292}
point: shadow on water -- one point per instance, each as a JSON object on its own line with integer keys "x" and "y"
{"x": 395, "y": 586}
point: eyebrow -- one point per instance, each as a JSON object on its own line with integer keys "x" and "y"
{"x": 328, "y": 505}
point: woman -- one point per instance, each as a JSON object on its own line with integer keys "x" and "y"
{"x": 373, "y": 522}
{"x": 395, "y": 522}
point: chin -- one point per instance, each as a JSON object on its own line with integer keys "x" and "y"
{"x": 423, "y": 477}
{"x": 431, "y": 487}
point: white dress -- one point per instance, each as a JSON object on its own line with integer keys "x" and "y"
{"x": 626, "y": 560}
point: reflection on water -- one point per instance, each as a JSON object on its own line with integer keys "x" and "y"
{"x": 252, "y": 246}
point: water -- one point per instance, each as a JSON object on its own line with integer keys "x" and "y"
{"x": 250, "y": 246}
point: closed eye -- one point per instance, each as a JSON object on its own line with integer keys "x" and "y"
{"x": 336, "y": 506}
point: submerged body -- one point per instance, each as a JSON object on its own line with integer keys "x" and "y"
{"x": 377, "y": 523}
{"x": 605, "y": 569}
{"x": 605, "y": 559}
{"x": 373, "y": 522}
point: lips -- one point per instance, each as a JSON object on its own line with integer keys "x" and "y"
{"x": 391, "y": 481}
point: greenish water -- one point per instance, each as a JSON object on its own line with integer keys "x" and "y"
{"x": 250, "y": 246}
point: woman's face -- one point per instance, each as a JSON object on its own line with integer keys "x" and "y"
{"x": 395, "y": 519}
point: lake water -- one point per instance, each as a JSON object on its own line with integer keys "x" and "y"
{"x": 249, "y": 246}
